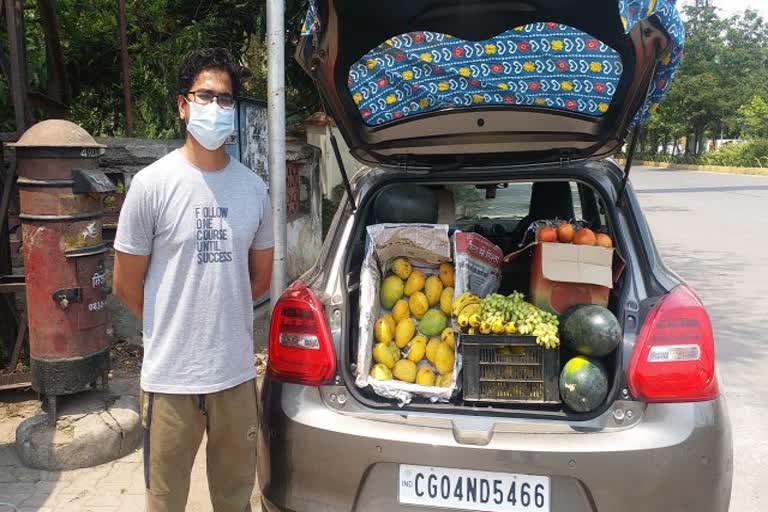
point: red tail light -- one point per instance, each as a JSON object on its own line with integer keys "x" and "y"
{"x": 674, "y": 356}
{"x": 300, "y": 344}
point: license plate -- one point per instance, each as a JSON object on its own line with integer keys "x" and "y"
{"x": 466, "y": 489}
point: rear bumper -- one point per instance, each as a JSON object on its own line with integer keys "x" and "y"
{"x": 678, "y": 457}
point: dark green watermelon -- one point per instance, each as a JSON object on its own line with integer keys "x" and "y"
{"x": 583, "y": 384}
{"x": 590, "y": 330}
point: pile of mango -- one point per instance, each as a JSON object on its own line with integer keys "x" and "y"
{"x": 414, "y": 342}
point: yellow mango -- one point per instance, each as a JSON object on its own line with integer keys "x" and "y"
{"x": 447, "y": 336}
{"x": 418, "y": 348}
{"x": 444, "y": 359}
{"x": 418, "y": 304}
{"x": 384, "y": 329}
{"x": 381, "y": 372}
{"x": 401, "y": 310}
{"x": 432, "y": 345}
{"x": 401, "y": 268}
{"x": 405, "y": 370}
{"x": 404, "y": 332}
{"x": 425, "y": 377}
{"x": 446, "y": 274}
{"x": 433, "y": 289}
{"x": 415, "y": 283}
{"x": 391, "y": 291}
{"x": 382, "y": 355}
{"x": 444, "y": 381}
{"x": 446, "y": 300}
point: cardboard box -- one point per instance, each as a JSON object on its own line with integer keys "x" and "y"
{"x": 563, "y": 275}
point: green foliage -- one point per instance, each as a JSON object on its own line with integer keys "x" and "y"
{"x": 160, "y": 32}
{"x": 754, "y": 118}
{"x": 751, "y": 154}
{"x": 6, "y": 107}
{"x": 725, "y": 67}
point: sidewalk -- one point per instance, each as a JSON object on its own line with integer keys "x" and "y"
{"x": 114, "y": 487}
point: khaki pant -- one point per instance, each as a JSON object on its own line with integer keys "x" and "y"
{"x": 173, "y": 429}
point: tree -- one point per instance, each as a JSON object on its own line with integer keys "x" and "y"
{"x": 754, "y": 118}
{"x": 56, "y": 76}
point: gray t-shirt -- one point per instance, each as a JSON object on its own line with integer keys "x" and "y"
{"x": 197, "y": 227}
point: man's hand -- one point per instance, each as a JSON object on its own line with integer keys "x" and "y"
{"x": 260, "y": 269}
{"x": 128, "y": 281}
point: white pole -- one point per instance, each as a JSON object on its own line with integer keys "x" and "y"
{"x": 276, "y": 132}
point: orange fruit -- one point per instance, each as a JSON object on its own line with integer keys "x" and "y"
{"x": 604, "y": 240}
{"x": 565, "y": 233}
{"x": 547, "y": 234}
{"x": 585, "y": 236}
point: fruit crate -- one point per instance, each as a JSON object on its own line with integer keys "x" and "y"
{"x": 509, "y": 369}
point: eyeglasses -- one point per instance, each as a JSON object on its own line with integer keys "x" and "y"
{"x": 204, "y": 97}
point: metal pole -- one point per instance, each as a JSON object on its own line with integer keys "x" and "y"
{"x": 125, "y": 65}
{"x": 276, "y": 133}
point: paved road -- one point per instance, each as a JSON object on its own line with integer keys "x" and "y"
{"x": 711, "y": 229}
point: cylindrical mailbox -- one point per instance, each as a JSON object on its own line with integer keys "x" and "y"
{"x": 60, "y": 190}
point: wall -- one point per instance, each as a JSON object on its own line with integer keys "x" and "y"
{"x": 318, "y": 135}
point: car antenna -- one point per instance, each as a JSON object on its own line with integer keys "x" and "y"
{"x": 628, "y": 164}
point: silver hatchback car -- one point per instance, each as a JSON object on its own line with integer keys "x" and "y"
{"x": 395, "y": 76}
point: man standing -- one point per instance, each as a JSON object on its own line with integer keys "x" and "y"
{"x": 193, "y": 248}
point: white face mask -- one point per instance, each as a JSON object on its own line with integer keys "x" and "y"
{"x": 210, "y": 125}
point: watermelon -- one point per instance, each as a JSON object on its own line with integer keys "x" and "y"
{"x": 583, "y": 384}
{"x": 590, "y": 330}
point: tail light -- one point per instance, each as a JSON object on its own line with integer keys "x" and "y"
{"x": 300, "y": 345}
{"x": 674, "y": 356}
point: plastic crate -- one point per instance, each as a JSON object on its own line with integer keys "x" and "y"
{"x": 509, "y": 369}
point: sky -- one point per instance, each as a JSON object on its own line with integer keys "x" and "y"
{"x": 728, "y": 7}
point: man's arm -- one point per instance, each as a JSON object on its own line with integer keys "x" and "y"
{"x": 128, "y": 281}
{"x": 260, "y": 269}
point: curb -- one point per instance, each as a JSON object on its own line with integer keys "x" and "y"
{"x": 752, "y": 171}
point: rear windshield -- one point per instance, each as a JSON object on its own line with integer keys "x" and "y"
{"x": 545, "y": 65}
{"x": 513, "y": 201}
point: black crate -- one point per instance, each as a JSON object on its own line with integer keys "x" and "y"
{"x": 509, "y": 369}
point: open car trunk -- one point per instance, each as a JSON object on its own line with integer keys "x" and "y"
{"x": 489, "y": 82}
{"x": 504, "y": 221}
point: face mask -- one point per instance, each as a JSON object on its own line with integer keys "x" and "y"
{"x": 210, "y": 125}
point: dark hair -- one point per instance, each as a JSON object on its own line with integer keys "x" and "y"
{"x": 202, "y": 59}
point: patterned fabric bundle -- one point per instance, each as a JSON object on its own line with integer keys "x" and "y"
{"x": 540, "y": 65}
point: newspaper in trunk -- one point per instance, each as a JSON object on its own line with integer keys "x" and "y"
{"x": 477, "y": 263}
{"x": 425, "y": 246}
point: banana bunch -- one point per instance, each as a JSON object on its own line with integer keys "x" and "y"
{"x": 497, "y": 314}
{"x": 464, "y": 306}
{"x": 469, "y": 311}
{"x": 462, "y": 301}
